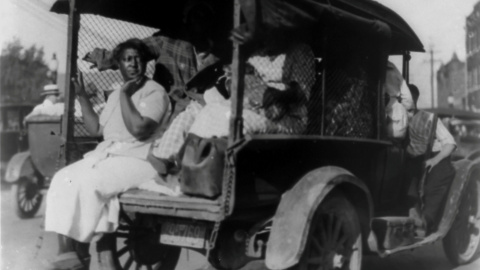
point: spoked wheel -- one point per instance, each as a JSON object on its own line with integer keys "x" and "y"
{"x": 137, "y": 247}
{"x": 462, "y": 243}
{"x": 27, "y": 196}
{"x": 334, "y": 240}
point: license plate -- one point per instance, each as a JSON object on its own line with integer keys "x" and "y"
{"x": 183, "y": 234}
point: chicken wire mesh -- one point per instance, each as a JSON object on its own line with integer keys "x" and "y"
{"x": 286, "y": 90}
{"x": 100, "y": 32}
{"x": 277, "y": 88}
{"x": 350, "y": 99}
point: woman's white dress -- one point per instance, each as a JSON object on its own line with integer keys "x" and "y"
{"x": 82, "y": 198}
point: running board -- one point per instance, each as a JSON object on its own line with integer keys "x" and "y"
{"x": 429, "y": 239}
{"x": 393, "y": 232}
{"x": 449, "y": 213}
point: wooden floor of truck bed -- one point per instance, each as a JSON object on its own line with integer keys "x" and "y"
{"x": 149, "y": 202}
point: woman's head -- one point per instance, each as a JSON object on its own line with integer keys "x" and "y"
{"x": 131, "y": 57}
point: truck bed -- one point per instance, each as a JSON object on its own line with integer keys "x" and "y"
{"x": 149, "y": 202}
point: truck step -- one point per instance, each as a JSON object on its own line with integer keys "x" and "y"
{"x": 394, "y": 232}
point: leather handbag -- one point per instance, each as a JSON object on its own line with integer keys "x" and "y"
{"x": 203, "y": 161}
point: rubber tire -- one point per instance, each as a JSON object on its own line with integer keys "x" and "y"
{"x": 20, "y": 187}
{"x": 462, "y": 228}
{"x": 108, "y": 252}
{"x": 337, "y": 206}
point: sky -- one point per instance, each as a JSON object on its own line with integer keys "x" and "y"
{"x": 440, "y": 25}
{"x": 32, "y": 23}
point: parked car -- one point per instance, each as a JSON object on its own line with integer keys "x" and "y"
{"x": 465, "y": 127}
{"x": 13, "y": 135}
{"x": 31, "y": 171}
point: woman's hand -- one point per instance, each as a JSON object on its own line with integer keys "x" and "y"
{"x": 133, "y": 85}
{"x": 79, "y": 86}
{"x": 241, "y": 35}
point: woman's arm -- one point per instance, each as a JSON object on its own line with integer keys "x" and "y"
{"x": 90, "y": 118}
{"x": 139, "y": 126}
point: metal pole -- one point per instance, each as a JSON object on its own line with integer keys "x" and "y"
{"x": 432, "y": 77}
{"x": 467, "y": 60}
{"x": 68, "y": 116}
{"x": 324, "y": 78}
{"x": 236, "y": 121}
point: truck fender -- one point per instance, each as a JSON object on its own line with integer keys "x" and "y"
{"x": 474, "y": 155}
{"x": 464, "y": 169}
{"x": 19, "y": 165}
{"x": 291, "y": 222}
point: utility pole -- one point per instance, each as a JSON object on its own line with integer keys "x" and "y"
{"x": 432, "y": 61}
{"x": 432, "y": 77}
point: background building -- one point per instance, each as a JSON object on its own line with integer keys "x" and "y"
{"x": 473, "y": 58}
{"x": 451, "y": 88}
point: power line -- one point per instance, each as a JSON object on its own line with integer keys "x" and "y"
{"x": 40, "y": 17}
{"x": 42, "y": 9}
{"x": 37, "y": 12}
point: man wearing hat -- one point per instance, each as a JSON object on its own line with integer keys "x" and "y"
{"x": 50, "y": 105}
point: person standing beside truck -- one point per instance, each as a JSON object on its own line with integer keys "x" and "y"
{"x": 439, "y": 169}
{"x": 50, "y": 104}
{"x": 82, "y": 199}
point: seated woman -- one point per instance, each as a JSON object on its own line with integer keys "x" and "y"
{"x": 277, "y": 89}
{"x": 276, "y": 92}
{"x": 82, "y": 199}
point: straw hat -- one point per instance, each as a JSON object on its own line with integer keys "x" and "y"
{"x": 50, "y": 89}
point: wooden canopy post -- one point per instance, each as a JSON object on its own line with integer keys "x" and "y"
{"x": 68, "y": 120}
{"x": 236, "y": 120}
{"x": 406, "y": 66}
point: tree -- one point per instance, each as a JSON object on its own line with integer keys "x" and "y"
{"x": 23, "y": 73}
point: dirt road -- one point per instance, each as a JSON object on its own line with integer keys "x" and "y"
{"x": 25, "y": 246}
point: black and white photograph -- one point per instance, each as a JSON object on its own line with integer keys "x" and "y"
{"x": 240, "y": 134}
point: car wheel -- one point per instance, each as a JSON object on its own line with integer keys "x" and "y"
{"x": 462, "y": 243}
{"x": 334, "y": 240}
{"x": 27, "y": 196}
{"x": 135, "y": 247}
